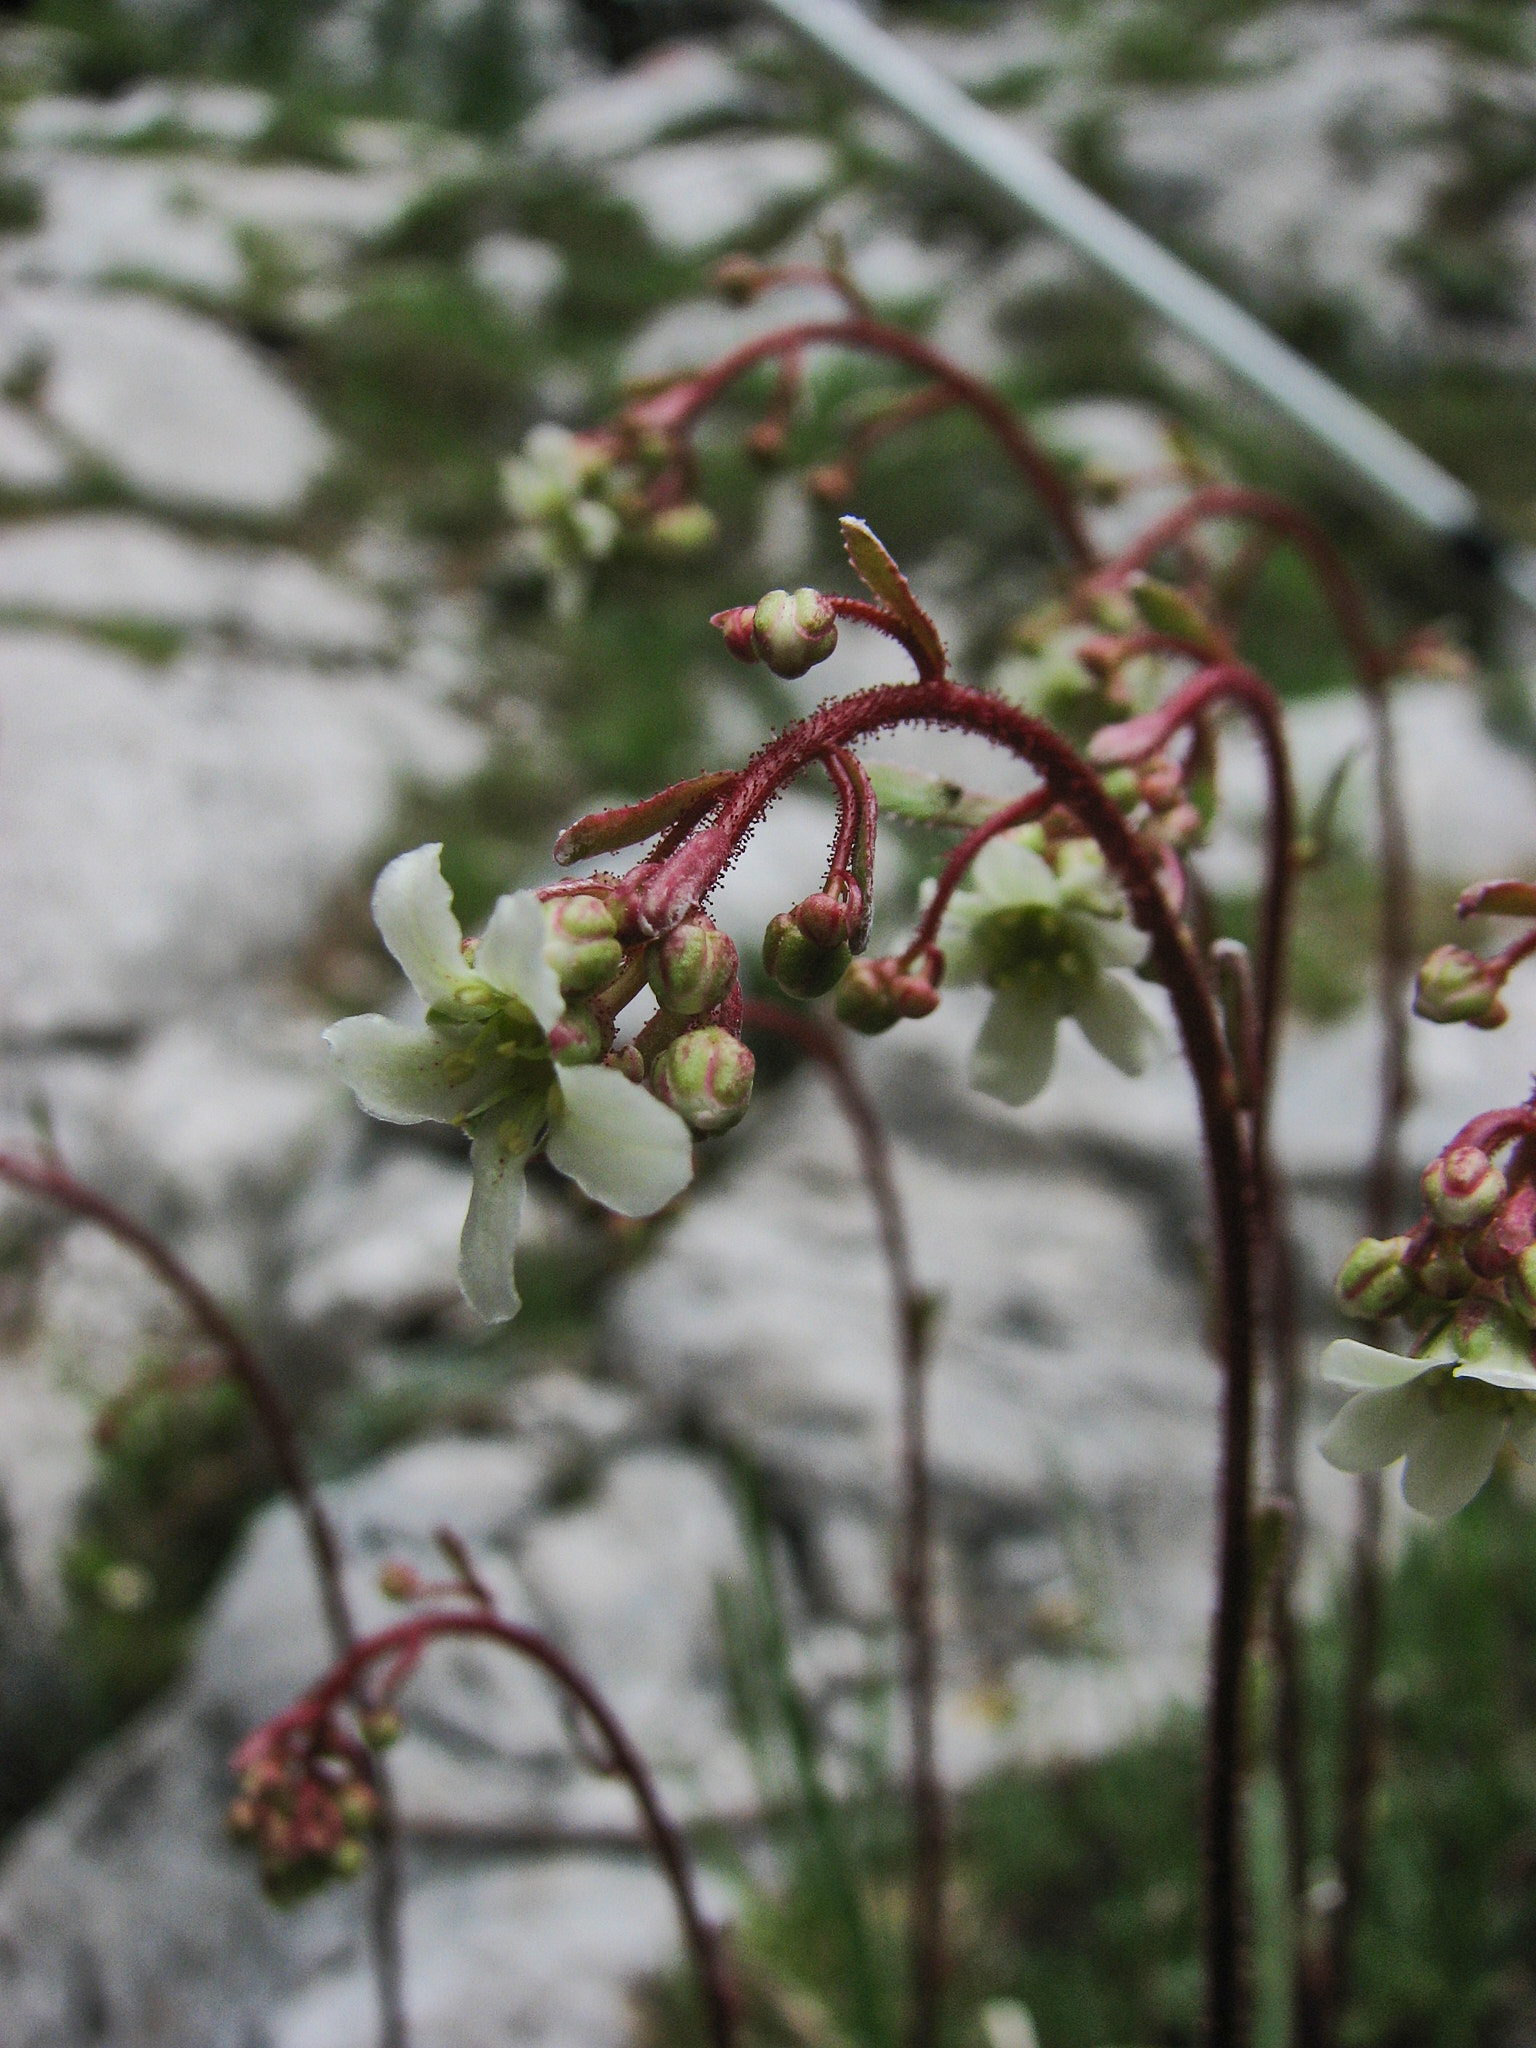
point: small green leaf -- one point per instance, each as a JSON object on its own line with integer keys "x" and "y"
{"x": 877, "y": 571}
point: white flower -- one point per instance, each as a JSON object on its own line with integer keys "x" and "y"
{"x": 553, "y": 489}
{"x": 482, "y": 1060}
{"x": 1052, "y": 943}
{"x": 1447, "y": 1414}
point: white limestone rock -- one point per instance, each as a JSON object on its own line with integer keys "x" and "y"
{"x": 160, "y": 831}
{"x": 380, "y": 1250}
{"x": 111, "y": 217}
{"x": 522, "y": 275}
{"x": 29, "y": 460}
{"x": 113, "y": 566}
{"x": 611, "y": 117}
{"x": 695, "y": 196}
{"x": 176, "y": 406}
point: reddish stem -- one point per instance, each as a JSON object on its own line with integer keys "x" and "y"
{"x": 914, "y": 1579}
{"x": 675, "y": 410}
{"x": 666, "y": 895}
{"x": 407, "y": 1640}
{"x": 54, "y": 1183}
{"x": 1024, "y": 812}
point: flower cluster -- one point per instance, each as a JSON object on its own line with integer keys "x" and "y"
{"x": 306, "y": 1803}
{"x": 1458, "y": 986}
{"x": 1464, "y": 1281}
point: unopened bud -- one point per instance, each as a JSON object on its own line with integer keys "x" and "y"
{"x": 765, "y": 441}
{"x": 582, "y": 944}
{"x": 738, "y": 279}
{"x": 797, "y": 963}
{"x": 1462, "y": 1187}
{"x": 1456, "y": 987}
{"x": 629, "y": 1062}
{"x": 875, "y": 994}
{"x": 348, "y": 1858}
{"x": 1373, "y": 1281}
{"x": 683, "y": 530}
{"x": 379, "y": 1727}
{"x": 691, "y": 968}
{"x": 400, "y": 1582}
{"x": 577, "y": 1039}
{"x": 1521, "y": 1283}
{"x": 830, "y": 483}
{"x": 706, "y": 1076}
{"x": 1509, "y": 1232}
{"x": 1123, "y": 787}
{"x": 1442, "y": 1269}
{"x": 1167, "y": 610}
{"x": 826, "y": 919}
{"x": 793, "y": 631}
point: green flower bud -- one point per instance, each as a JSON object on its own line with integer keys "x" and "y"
{"x": 706, "y": 1076}
{"x": 1373, "y": 1281}
{"x": 379, "y": 1727}
{"x": 1123, "y": 787}
{"x": 825, "y": 919}
{"x": 582, "y": 946}
{"x": 1462, "y": 1187}
{"x": 348, "y": 1858}
{"x": 683, "y": 530}
{"x": 797, "y": 963}
{"x": 577, "y": 1039}
{"x": 1521, "y": 1283}
{"x": 1456, "y": 987}
{"x": 875, "y": 994}
{"x": 1443, "y": 1270}
{"x": 630, "y": 1063}
{"x": 793, "y": 633}
{"x": 691, "y": 968}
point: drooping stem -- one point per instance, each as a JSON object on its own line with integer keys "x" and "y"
{"x": 400, "y": 1647}
{"x": 911, "y": 1307}
{"x": 674, "y": 411}
{"x": 51, "y": 1182}
{"x": 954, "y": 871}
{"x": 668, "y": 892}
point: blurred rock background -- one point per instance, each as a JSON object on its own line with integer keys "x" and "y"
{"x": 281, "y": 282}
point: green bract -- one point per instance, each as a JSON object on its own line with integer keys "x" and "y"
{"x": 1052, "y": 942}
{"x": 1447, "y": 1414}
{"x": 482, "y": 1059}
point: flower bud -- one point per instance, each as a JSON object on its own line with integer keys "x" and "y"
{"x": 1462, "y": 1186}
{"x": 379, "y": 1727}
{"x": 582, "y": 944}
{"x": 630, "y": 1063}
{"x": 797, "y": 963}
{"x": 827, "y": 920}
{"x": 400, "y": 1582}
{"x": 1442, "y": 1269}
{"x": 691, "y": 968}
{"x": 706, "y": 1076}
{"x": 875, "y": 994}
{"x": 765, "y": 442}
{"x": 682, "y": 530}
{"x": 348, "y": 1858}
{"x": 738, "y": 279}
{"x": 576, "y": 1039}
{"x": 1509, "y": 1232}
{"x": 1456, "y": 987}
{"x": 831, "y": 483}
{"x": 736, "y": 627}
{"x": 1373, "y": 1281}
{"x": 1123, "y": 787}
{"x": 793, "y": 632}
{"x": 1521, "y": 1283}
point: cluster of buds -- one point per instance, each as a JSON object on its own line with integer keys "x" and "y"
{"x": 874, "y": 995}
{"x": 1458, "y": 986}
{"x": 306, "y": 1803}
{"x": 789, "y": 632}
{"x": 1464, "y": 1281}
{"x": 808, "y": 950}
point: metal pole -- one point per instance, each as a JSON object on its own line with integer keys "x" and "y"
{"x": 972, "y": 136}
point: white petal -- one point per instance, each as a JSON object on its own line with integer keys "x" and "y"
{"x": 490, "y": 1228}
{"x": 413, "y": 909}
{"x": 404, "y": 1074}
{"x": 964, "y": 960}
{"x": 1109, "y": 941}
{"x": 1518, "y": 1375}
{"x": 510, "y": 956}
{"x": 1007, "y": 873}
{"x": 1452, "y": 1459}
{"x": 1375, "y": 1429}
{"x": 618, "y": 1143}
{"x": 1349, "y": 1363}
{"x": 1013, "y": 1056}
{"x": 1115, "y": 1024}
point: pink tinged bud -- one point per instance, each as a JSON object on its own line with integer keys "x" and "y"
{"x": 735, "y": 626}
{"x": 792, "y": 632}
{"x": 400, "y": 1582}
{"x": 1462, "y": 1187}
{"x": 682, "y": 530}
{"x": 795, "y": 961}
{"x": 577, "y": 1039}
{"x": 706, "y": 1076}
{"x": 1373, "y": 1282}
{"x": 629, "y": 1063}
{"x": 1441, "y": 1269}
{"x": 691, "y": 968}
{"x": 1456, "y": 987}
{"x": 866, "y": 997}
{"x": 828, "y": 920}
{"x": 1521, "y": 1285}
{"x": 582, "y": 946}
{"x": 1511, "y": 1231}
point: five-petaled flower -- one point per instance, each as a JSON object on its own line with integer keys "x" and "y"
{"x": 1052, "y": 942}
{"x": 1447, "y": 1413}
{"x": 482, "y": 1060}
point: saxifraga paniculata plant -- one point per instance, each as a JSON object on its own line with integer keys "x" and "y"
{"x": 1063, "y": 903}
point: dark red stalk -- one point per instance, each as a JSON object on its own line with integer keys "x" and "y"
{"x": 954, "y": 871}
{"x": 403, "y": 1645}
{"x": 666, "y": 895}
{"x": 54, "y": 1183}
{"x": 672, "y": 412}
{"x": 914, "y": 1576}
